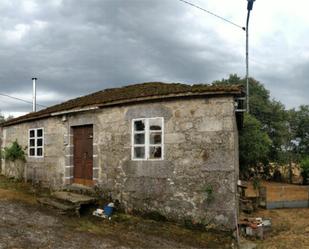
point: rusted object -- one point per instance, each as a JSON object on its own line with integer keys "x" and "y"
{"x": 255, "y": 227}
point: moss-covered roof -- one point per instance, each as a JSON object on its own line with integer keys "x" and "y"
{"x": 129, "y": 94}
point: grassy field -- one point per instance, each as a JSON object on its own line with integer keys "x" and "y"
{"x": 290, "y": 229}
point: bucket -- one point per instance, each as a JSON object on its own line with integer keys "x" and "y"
{"x": 108, "y": 210}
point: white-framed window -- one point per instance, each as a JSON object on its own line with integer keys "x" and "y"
{"x": 36, "y": 142}
{"x": 148, "y": 139}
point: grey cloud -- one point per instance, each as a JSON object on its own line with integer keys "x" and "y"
{"x": 91, "y": 45}
{"x": 291, "y": 86}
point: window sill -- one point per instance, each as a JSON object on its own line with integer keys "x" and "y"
{"x": 147, "y": 160}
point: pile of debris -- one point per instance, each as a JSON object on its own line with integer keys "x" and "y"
{"x": 255, "y": 227}
{"x": 106, "y": 212}
{"x": 250, "y": 202}
{"x": 245, "y": 203}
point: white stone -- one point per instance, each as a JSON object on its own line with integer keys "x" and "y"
{"x": 210, "y": 124}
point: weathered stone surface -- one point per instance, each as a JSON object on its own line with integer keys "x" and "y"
{"x": 175, "y": 138}
{"x": 152, "y": 110}
{"x": 146, "y": 187}
{"x": 155, "y": 169}
{"x": 56, "y": 204}
{"x": 73, "y": 197}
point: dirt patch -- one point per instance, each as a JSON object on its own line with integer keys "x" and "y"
{"x": 25, "y": 224}
{"x": 29, "y": 226}
{"x": 17, "y": 196}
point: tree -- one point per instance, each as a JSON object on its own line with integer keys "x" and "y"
{"x": 254, "y": 146}
{"x": 3, "y": 119}
{"x": 304, "y": 165}
{"x": 272, "y": 117}
{"x": 301, "y": 129}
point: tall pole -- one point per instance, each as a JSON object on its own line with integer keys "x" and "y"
{"x": 34, "y": 94}
{"x": 247, "y": 61}
{"x": 249, "y": 8}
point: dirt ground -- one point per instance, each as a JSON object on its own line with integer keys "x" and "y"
{"x": 25, "y": 224}
{"x": 290, "y": 229}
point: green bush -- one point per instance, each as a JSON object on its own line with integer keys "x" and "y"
{"x": 14, "y": 152}
{"x": 304, "y": 165}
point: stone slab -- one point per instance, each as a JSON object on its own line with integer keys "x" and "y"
{"x": 55, "y": 204}
{"x": 73, "y": 197}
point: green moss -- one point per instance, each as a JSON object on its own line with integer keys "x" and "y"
{"x": 129, "y": 93}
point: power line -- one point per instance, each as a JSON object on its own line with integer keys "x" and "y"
{"x": 23, "y": 100}
{"x": 213, "y": 14}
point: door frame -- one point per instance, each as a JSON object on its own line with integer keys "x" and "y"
{"x": 82, "y": 181}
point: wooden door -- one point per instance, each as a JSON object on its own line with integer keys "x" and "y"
{"x": 83, "y": 154}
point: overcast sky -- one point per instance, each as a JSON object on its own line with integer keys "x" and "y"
{"x": 75, "y": 47}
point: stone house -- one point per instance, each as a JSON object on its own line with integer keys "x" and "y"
{"x": 170, "y": 148}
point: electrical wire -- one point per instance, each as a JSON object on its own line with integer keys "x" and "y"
{"x": 213, "y": 14}
{"x": 23, "y": 100}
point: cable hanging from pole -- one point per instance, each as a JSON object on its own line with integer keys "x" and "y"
{"x": 213, "y": 14}
{"x": 23, "y": 100}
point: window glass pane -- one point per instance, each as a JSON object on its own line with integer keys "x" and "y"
{"x": 39, "y": 152}
{"x": 31, "y": 152}
{"x": 39, "y": 142}
{"x": 39, "y": 133}
{"x": 139, "y": 152}
{"x": 155, "y": 152}
{"x": 139, "y": 139}
{"x": 139, "y": 125}
{"x": 155, "y": 138}
{"x": 31, "y": 133}
{"x": 155, "y": 124}
{"x": 31, "y": 142}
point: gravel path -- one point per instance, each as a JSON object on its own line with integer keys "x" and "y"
{"x": 26, "y": 226}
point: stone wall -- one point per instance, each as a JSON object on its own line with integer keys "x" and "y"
{"x": 200, "y": 159}
{"x": 195, "y": 181}
{"x": 48, "y": 170}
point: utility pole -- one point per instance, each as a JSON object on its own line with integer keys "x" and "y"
{"x": 34, "y": 94}
{"x": 249, "y": 8}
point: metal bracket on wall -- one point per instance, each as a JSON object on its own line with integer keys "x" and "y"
{"x": 239, "y": 104}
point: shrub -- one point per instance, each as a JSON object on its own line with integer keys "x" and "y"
{"x": 14, "y": 152}
{"x": 15, "y": 157}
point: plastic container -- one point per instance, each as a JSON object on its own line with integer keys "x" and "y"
{"x": 108, "y": 210}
